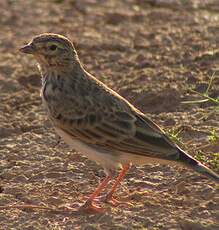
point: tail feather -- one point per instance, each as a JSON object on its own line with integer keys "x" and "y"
{"x": 197, "y": 166}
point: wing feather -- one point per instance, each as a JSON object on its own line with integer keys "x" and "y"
{"x": 138, "y": 135}
{"x": 105, "y": 119}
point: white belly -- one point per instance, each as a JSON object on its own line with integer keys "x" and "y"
{"x": 108, "y": 161}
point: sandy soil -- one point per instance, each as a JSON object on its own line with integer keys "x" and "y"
{"x": 151, "y": 52}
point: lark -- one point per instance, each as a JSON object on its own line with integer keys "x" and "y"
{"x": 96, "y": 121}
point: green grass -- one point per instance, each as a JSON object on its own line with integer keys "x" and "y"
{"x": 214, "y": 136}
{"x": 205, "y": 98}
{"x": 174, "y": 135}
{"x": 215, "y": 160}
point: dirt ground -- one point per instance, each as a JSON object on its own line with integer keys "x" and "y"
{"x": 151, "y": 52}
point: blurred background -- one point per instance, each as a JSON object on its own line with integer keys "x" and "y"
{"x": 152, "y": 52}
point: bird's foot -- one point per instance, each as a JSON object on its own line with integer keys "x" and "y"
{"x": 87, "y": 206}
{"x": 109, "y": 199}
{"x": 90, "y": 205}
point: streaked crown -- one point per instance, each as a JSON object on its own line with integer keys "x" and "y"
{"x": 51, "y": 50}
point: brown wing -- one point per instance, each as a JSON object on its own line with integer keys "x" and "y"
{"x": 99, "y": 116}
{"x": 127, "y": 131}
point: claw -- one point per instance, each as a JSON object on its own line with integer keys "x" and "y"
{"x": 89, "y": 205}
{"x": 115, "y": 202}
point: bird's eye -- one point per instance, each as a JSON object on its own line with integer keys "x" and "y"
{"x": 53, "y": 47}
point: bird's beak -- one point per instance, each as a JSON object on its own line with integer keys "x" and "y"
{"x": 28, "y": 49}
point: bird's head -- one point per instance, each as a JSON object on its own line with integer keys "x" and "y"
{"x": 51, "y": 50}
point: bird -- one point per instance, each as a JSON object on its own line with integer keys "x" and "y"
{"x": 96, "y": 121}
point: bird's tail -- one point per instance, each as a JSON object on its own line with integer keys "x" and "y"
{"x": 197, "y": 166}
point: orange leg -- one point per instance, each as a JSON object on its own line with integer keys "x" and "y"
{"x": 122, "y": 174}
{"x": 89, "y": 202}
